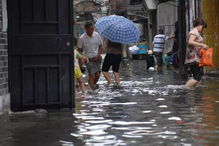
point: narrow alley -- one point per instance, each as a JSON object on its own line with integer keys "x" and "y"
{"x": 148, "y": 109}
{"x": 109, "y": 72}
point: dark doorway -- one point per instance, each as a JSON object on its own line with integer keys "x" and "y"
{"x": 40, "y": 54}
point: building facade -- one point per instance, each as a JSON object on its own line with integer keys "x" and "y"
{"x": 167, "y": 16}
{"x": 4, "y": 85}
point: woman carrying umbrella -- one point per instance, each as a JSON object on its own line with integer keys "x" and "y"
{"x": 113, "y": 59}
{"x": 118, "y": 30}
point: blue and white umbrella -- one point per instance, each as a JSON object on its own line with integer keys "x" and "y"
{"x": 118, "y": 29}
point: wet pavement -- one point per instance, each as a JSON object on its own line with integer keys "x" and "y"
{"x": 147, "y": 109}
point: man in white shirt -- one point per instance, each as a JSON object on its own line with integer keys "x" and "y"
{"x": 158, "y": 47}
{"x": 90, "y": 43}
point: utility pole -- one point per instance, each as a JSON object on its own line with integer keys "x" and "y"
{"x": 182, "y": 36}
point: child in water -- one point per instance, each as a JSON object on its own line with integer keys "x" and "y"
{"x": 77, "y": 72}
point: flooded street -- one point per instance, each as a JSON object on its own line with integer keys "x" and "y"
{"x": 147, "y": 109}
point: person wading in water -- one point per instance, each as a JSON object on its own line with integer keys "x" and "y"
{"x": 113, "y": 58}
{"x": 90, "y": 43}
{"x": 195, "y": 43}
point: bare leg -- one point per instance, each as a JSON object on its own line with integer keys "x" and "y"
{"x": 117, "y": 78}
{"x": 159, "y": 68}
{"x": 97, "y": 76}
{"x": 91, "y": 80}
{"x": 191, "y": 83}
{"x": 75, "y": 88}
{"x": 77, "y": 95}
{"x": 107, "y": 77}
{"x": 81, "y": 84}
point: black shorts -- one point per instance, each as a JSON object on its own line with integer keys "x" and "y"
{"x": 196, "y": 71}
{"x": 159, "y": 58}
{"x": 150, "y": 61}
{"x": 113, "y": 60}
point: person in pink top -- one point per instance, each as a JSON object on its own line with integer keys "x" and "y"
{"x": 195, "y": 43}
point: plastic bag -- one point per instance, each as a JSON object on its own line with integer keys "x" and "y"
{"x": 134, "y": 49}
{"x": 206, "y": 57}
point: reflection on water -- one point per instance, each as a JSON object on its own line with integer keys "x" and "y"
{"x": 147, "y": 109}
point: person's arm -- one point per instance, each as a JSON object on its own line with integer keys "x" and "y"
{"x": 81, "y": 58}
{"x": 170, "y": 37}
{"x": 99, "y": 53}
{"x": 100, "y": 47}
{"x": 194, "y": 43}
{"x": 99, "y": 50}
{"x": 151, "y": 47}
{"x": 105, "y": 44}
{"x": 80, "y": 45}
{"x": 78, "y": 55}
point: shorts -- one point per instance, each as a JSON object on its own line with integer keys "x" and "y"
{"x": 113, "y": 60}
{"x": 150, "y": 61}
{"x": 94, "y": 66}
{"x": 77, "y": 73}
{"x": 159, "y": 58}
{"x": 196, "y": 71}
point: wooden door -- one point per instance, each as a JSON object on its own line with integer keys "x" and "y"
{"x": 40, "y": 54}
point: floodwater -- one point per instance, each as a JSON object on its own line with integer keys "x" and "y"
{"x": 148, "y": 109}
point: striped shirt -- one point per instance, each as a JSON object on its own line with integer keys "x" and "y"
{"x": 159, "y": 42}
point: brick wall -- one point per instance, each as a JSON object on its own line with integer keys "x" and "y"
{"x": 3, "y": 57}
